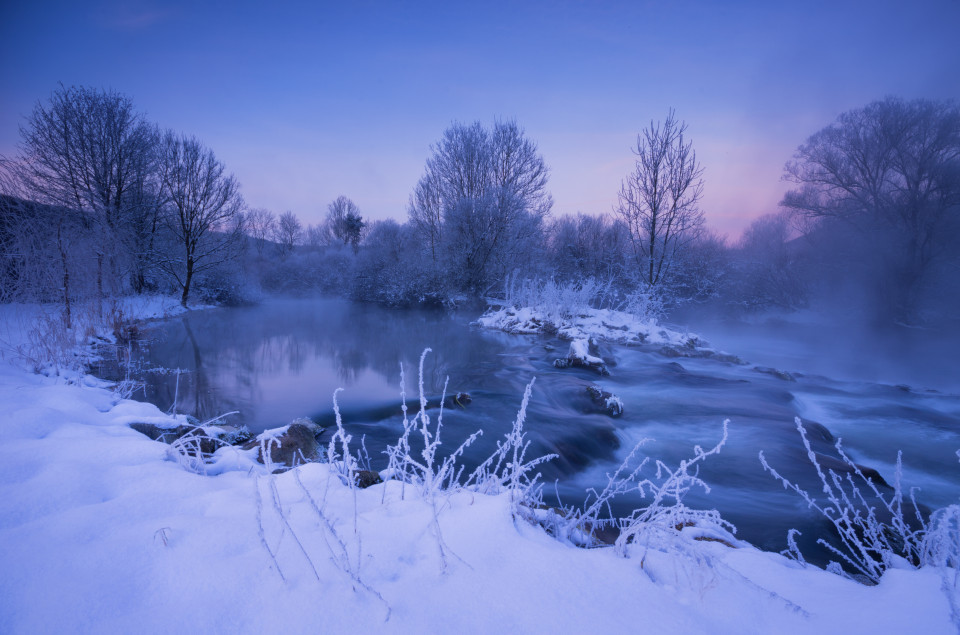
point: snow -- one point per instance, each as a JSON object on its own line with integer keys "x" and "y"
{"x": 100, "y": 531}
{"x": 606, "y": 324}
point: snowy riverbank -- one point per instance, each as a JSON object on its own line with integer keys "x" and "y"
{"x": 100, "y": 531}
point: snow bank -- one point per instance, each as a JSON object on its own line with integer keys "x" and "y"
{"x": 99, "y": 531}
{"x": 605, "y": 324}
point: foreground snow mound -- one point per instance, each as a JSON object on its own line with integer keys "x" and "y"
{"x": 606, "y": 324}
{"x": 99, "y": 533}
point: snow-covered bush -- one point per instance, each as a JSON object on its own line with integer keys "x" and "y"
{"x": 644, "y": 304}
{"x": 555, "y": 300}
{"x": 393, "y": 269}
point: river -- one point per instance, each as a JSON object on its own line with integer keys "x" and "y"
{"x": 284, "y": 359}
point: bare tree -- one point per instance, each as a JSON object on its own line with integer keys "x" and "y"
{"x": 659, "y": 200}
{"x": 767, "y": 267}
{"x": 44, "y": 253}
{"x": 891, "y": 172}
{"x": 261, "y": 226}
{"x": 287, "y": 233}
{"x": 480, "y": 202}
{"x": 90, "y": 151}
{"x": 205, "y": 205}
{"x": 426, "y": 212}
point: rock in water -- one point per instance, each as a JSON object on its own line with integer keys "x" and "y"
{"x": 580, "y": 356}
{"x": 606, "y": 401}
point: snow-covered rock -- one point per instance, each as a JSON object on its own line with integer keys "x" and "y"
{"x": 287, "y": 446}
{"x": 606, "y": 401}
{"x": 580, "y": 355}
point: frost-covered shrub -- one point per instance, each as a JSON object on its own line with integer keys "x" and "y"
{"x": 874, "y": 529}
{"x": 227, "y": 286}
{"x": 393, "y": 269}
{"x": 507, "y": 469}
{"x": 662, "y": 522}
{"x": 328, "y": 270}
{"x": 666, "y": 514}
{"x": 644, "y": 304}
{"x": 556, "y": 301}
{"x": 559, "y": 302}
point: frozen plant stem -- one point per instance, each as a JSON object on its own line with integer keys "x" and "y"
{"x": 867, "y": 545}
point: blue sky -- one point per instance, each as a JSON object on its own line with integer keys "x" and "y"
{"x": 307, "y": 101}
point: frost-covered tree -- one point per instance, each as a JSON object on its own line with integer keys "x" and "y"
{"x": 317, "y": 236}
{"x": 659, "y": 200}
{"x": 261, "y": 225}
{"x": 768, "y": 269}
{"x": 45, "y": 254}
{"x": 890, "y": 172}
{"x": 91, "y": 152}
{"x": 204, "y": 210}
{"x": 426, "y": 212}
{"x": 287, "y": 233}
{"x": 481, "y": 203}
{"x": 586, "y": 246}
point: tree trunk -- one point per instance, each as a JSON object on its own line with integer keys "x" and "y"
{"x": 186, "y": 282}
{"x": 66, "y": 276}
{"x": 100, "y": 285}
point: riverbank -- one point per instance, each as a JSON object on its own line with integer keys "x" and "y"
{"x": 101, "y": 531}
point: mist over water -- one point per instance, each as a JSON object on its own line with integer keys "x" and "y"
{"x": 839, "y": 346}
{"x": 284, "y": 359}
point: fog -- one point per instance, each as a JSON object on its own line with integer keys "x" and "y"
{"x": 836, "y": 345}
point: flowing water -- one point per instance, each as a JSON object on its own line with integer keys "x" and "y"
{"x": 285, "y": 358}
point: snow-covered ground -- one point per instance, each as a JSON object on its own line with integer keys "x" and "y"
{"x": 100, "y": 531}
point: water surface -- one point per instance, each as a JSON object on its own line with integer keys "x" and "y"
{"x": 284, "y": 359}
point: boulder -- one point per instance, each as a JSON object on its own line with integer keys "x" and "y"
{"x": 290, "y": 446}
{"x": 700, "y": 353}
{"x": 773, "y": 372}
{"x": 841, "y": 467}
{"x": 607, "y": 402}
{"x": 208, "y": 439}
{"x": 366, "y": 478}
{"x": 459, "y": 400}
{"x": 156, "y": 432}
{"x": 583, "y": 354}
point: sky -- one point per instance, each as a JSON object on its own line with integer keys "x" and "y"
{"x": 305, "y": 101}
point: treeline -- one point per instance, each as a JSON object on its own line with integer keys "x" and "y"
{"x": 871, "y": 228}
{"x": 100, "y": 202}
